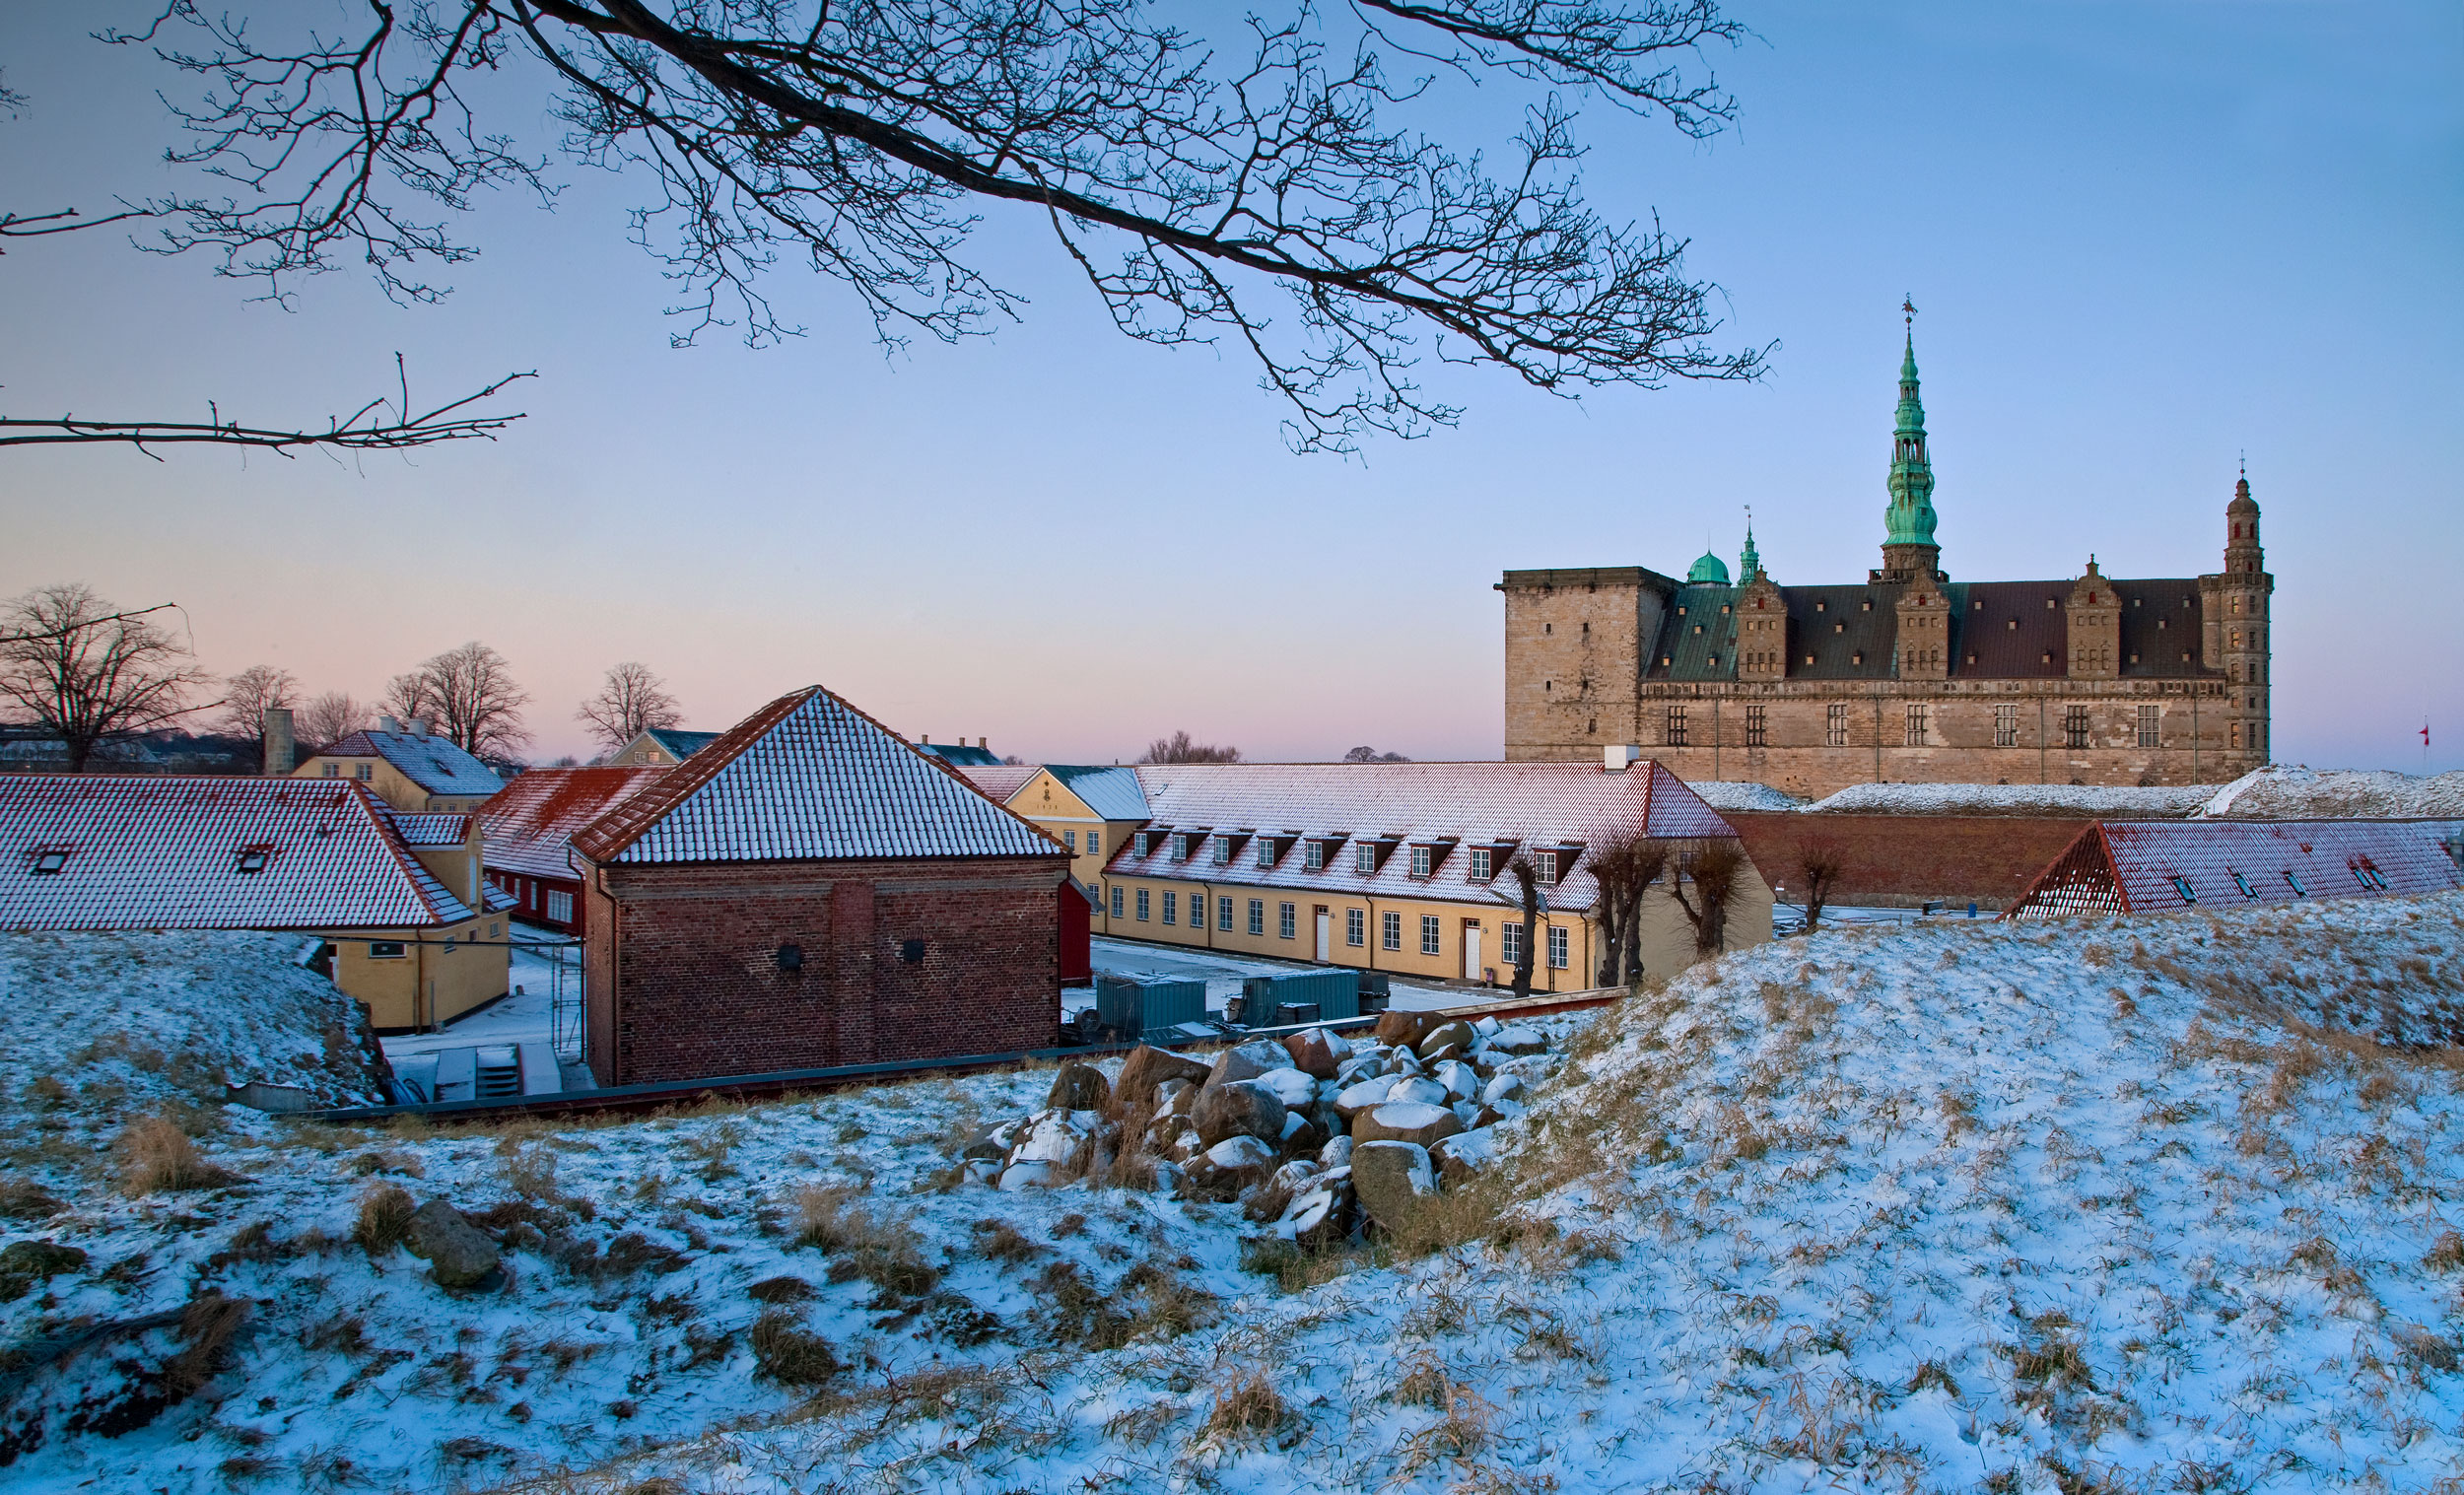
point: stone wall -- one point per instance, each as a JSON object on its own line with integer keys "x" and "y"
{"x": 1907, "y": 861}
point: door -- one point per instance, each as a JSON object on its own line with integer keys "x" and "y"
{"x": 1326, "y": 935}
{"x": 1471, "y": 951}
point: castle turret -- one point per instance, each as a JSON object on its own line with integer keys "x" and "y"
{"x": 1908, "y": 549}
{"x": 2233, "y": 637}
{"x": 2092, "y": 624}
{"x": 1761, "y": 619}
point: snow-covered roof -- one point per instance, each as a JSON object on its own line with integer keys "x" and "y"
{"x": 959, "y": 755}
{"x": 2152, "y": 867}
{"x": 425, "y": 758}
{"x": 529, "y": 825}
{"x": 808, "y": 777}
{"x": 2087, "y": 799}
{"x": 428, "y": 828}
{"x": 1111, "y": 790}
{"x": 996, "y": 781}
{"x": 1495, "y": 804}
{"x": 97, "y": 851}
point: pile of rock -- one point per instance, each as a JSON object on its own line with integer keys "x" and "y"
{"x": 1317, "y": 1132}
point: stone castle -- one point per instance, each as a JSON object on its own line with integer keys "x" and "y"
{"x": 1907, "y": 677}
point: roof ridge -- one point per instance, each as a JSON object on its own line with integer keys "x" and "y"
{"x": 609, "y": 835}
{"x": 419, "y": 877}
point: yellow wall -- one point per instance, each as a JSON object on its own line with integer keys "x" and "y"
{"x": 1047, "y": 803}
{"x": 432, "y": 981}
{"x": 644, "y": 749}
{"x": 1666, "y": 946}
{"x": 387, "y": 782}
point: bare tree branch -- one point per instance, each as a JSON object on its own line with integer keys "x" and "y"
{"x": 87, "y": 674}
{"x": 631, "y": 700}
{"x": 381, "y": 425}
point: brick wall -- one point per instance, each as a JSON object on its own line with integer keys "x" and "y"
{"x": 1903, "y": 861}
{"x": 685, "y": 979}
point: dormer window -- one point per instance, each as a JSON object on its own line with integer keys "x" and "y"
{"x": 1180, "y": 845}
{"x": 1224, "y": 851}
{"x": 1544, "y": 867}
{"x": 1421, "y": 861}
{"x": 1266, "y": 851}
{"x": 1314, "y": 860}
{"x": 1146, "y": 842}
{"x": 1365, "y": 858}
{"x": 2189, "y": 895}
{"x": 1482, "y": 867}
{"x": 254, "y": 859}
{"x": 47, "y": 861}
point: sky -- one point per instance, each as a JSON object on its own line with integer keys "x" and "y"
{"x": 2146, "y": 240}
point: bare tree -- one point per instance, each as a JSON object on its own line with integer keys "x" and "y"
{"x": 1180, "y": 748}
{"x": 247, "y": 695}
{"x": 470, "y": 694}
{"x": 407, "y": 698}
{"x": 1372, "y": 754}
{"x": 87, "y": 674}
{"x": 631, "y": 700}
{"x": 1712, "y": 868}
{"x": 1625, "y": 863}
{"x": 1818, "y": 859}
{"x": 1192, "y": 177}
{"x": 329, "y": 717}
{"x": 1528, "y": 903}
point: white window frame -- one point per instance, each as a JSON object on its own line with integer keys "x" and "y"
{"x": 1172, "y": 907}
{"x": 1423, "y": 860}
{"x": 1288, "y": 921}
{"x": 1224, "y": 851}
{"x": 1069, "y": 839}
{"x": 1433, "y": 935}
{"x": 1558, "y": 947}
{"x": 1116, "y": 900}
{"x": 558, "y": 896}
{"x": 1266, "y": 851}
{"x": 1483, "y": 864}
{"x": 1314, "y": 860}
{"x": 1510, "y": 942}
{"x": 1223, "y": 915}
{"x": 1365, "y": 858}
{"x": 1258, "y": 918}
{"x": 1143, "y": 905}
{"x": 1390, "y": 931}
{"x": 1357, "y": 928}
{"x": 1094, "y": 843}
{"x": 1545, "y": 868}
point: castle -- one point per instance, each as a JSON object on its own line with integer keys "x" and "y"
{"x": 1907, "y": 677}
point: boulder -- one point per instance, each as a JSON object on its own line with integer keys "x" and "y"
{"x": 1247, "y": 1061}
{"x": 1230, "y": 1167}
{"x": 1079, "y": 1087}
{"x": 1493, "y": 1112}
{"x": 457, "y": 1252}
{"x": 1180, "y": 1097}
{"x": 1239, "y": 1109}
{"x": 1336, "y": 1154}
{"x": 1060, "y": 1139}
{"x": 1405, "y": 1029}
{"x": 1290, "y": 1086}
{"x": 1320, "y": 1213}
{"x": 1312, "y": 1054}
{"x": 1148, "y": 1067}
{"x": 1445, "y": 1041}
{"x": 1468, "y": 1113}
{"x": 1517, "y": 1037}
{"x": 1459, "y": 1082}
{"x": 1020, "y": 1175}
{"x": 1404, "y": 1121}
{"x": 1355, "y": 1099}
{"x": 1302, "y": 1134}
{"x": 1391, "y": 1178}
{"x": 1486, "y": 1026}
{"x": 1464, "y": 1153}
{"x": 979, "y": 1171}
{"x": 1360, "y": 1067}
{"x": 1507, "y": 1086}
{"x": 1418, "y": 1092}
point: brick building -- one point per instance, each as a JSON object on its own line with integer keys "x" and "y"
{"x": 807, "y": 891}
{"x": 528, "y": 827}
{"x": 1907, "y": 676}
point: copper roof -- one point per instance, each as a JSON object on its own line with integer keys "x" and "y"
{"x": 178, "y": 853}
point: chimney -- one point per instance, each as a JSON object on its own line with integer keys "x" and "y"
{"x": 925, "y": 739}
{"x": 1617, "y": 757}
{"x": 388, "y": 724}
{"x": 985, "y": 743}
{"x": 418, "y": 726}
{"x": 279, "y": 747}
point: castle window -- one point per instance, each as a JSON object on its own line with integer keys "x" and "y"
{"x": 2075, "y": 726}
{"x": 1839, "y": 628}
{"x": 1699, "y": 629}
{"x": 1857, "y": 658}
{"x": 1586, "y": 628}
{"x": 1919, "y": 728}
{"x": 1835, "y": 726}
{"x": 2051, "y": 604}
{"x": 1722, "y": 609}
{"x": 1869, "y": 605}
{"x": 1820, "y": 607}
{"x": 1755, "y": 732}
{"x": 1593, "y": 728}
{"x": 1680, "y": 609}
{"x": 2006, "y": 726}
{"x": 2134, "y": 659}
{"x": 2234, "y": 735}
{"x": 1979, "y": 606}
{"x": 1548, "y": 628}
{"x": 2151, "y": 721}
{"x": 1676, "y": 727}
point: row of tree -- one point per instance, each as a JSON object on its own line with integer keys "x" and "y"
{"x": 84, "y": 673}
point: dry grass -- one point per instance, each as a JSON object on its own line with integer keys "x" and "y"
{"x": 776, "y": 1290}
{"x": 2447, "y": 1253}
{"x": 786, "y": 1352}
{"x": 384, "y": 1219}
{"x": 25, "y": 1199}
{"x": 884, "y": 1250}
{"x": 1151, "y": 1302}
{"x": 207, "y": 1327}
{"x": 1000, "y": 1241}
{"x": 1249, "y": 1405}
{"x": 155, "y": 1156}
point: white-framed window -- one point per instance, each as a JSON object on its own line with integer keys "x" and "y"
{"x": 1390, "y": 930}
{"x": 1094, "y": 843}
{"x": 1422, "y": 860}
{"x": 387, "y": 949}
{"x": 2150, "y": 726}
{"x": 1355, "y": 926}
{"x": 1142, "y": 905}
{"x": 1288, "y": 920}
{"x": 1544, "y": 867}
{"x": 1224, "y": 851}
{"x": 368, "y": 771}
{"x": 1069, "y": 839}
{"x": 2006, "y": 726}
{"x": 1365, "y": 858}
{"x": 1256, "y": 915}
{"x": 1223, "y": 915}
{"x": 1146, "y": 842}
{"x": 1172, "y": 907}
{"x": 1266, "y": 850}
{"x": 1556, "y": 947}
{"x": 1180, "y": 845}
{"x": 1116, "y": 900}
{"x": 1510, "y": 942}
{"x": 1314, "y": 860}
{"x": 560, "y": 906}
{"x": 1920, "y": 726}
{"x": 1481, "y": 870}
{"x": 1433, "y": 935}
{"x": 333, "y": 771}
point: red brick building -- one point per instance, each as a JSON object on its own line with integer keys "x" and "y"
{"x": 811, "y": 891}
{"x": 529, "y": 827}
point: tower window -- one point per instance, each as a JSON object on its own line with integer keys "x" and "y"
{"x": 1756, "y": 731}
{"x": 2151, "y": 722}
{"x": 1676, "y": 732}
{"x": 2006, "y": 726}
{"x": 1835, "y": 727}
{"x": 1919, "y": 726}
{"x": 2075, "y": 726}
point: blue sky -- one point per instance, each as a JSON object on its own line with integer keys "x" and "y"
{"x": 2144, "y": 239}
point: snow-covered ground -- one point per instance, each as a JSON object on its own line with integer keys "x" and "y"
{"x": 524, "y": 1015}
{"x": 2122, "y": 1206}
{"x": 2291, "y": 791}
{"x": 2278, "y": 791}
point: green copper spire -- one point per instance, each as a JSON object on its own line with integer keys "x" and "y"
{"x": 1910, "y": 517}
{"x": 1749, "y": 564}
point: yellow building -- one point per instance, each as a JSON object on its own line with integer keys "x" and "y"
{"x": 420, "y": 976}
{"x": 410, "y": 770}
{"x": 1401, "y": 867}
{"x": 1091, "y": 810}
{"x": 661, "y": 747}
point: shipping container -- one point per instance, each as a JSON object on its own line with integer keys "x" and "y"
{"x": 1335, "y": 993}
{"x": 1132, "y": 1006}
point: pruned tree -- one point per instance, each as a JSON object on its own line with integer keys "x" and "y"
{"x": 1195, "y": 179}
{"x": 87, "y": 674}
{"x": 1527, "y": 886}
{"x": 1625, "y": 863}
{"x": 469, "y": 694}
{"x": 329, "y": 717}
{"x": 631, "y": 700}
{"x": 1180, "y": 747}
{"x": 1818, "y": 859}
{"x": 1711, "y": 867}
{"x": 1372, "y": 754}
{"x": 247, "y": 695}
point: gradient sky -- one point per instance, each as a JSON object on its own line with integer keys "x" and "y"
{"x": 2145, "y": 239}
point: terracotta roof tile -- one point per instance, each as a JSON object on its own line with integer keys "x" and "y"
{"x": 529, "y": 824}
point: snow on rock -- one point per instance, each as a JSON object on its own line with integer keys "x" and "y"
{"x": 2290, "y": 791}
{"x": 104, "y": 1028}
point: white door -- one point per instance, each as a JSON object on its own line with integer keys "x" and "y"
{"x": 1326, "y": 935}
{"x": 1471, "y": 952}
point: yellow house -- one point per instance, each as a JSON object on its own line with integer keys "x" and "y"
{"x": 1091, "y": 810}
{"x": 1401, "y": 867}
{"x": 661, "y": 747}
{"x": 416, "y": 933}
{"x": 410, "y": 770}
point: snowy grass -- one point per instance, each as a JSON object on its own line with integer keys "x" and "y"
{"x": 2138, "y": 1205}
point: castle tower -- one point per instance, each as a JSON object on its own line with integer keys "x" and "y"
{"x": 2234, "y": 635}
{"x": 1761, "y": 619}
{"x": 2093, "y": 625}
{"x": 1908, "y": 549}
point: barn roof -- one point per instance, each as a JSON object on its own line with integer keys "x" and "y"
{"x": 529, "y": 824}
{"x": 1457, "y": 806}
{"x": 433, "y": 763}
{"x": 99, "y": 851}
{"x": 2160, "y": 866}
{"x": 808, "y": 777}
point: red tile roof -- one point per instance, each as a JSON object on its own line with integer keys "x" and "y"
{"x": 1527, "y": 804}
{"x": 808, "y": 777}
{"x": 168, "y": 853}
{"x": 2159, "y": 865}
{"x": 529, "y": 824}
